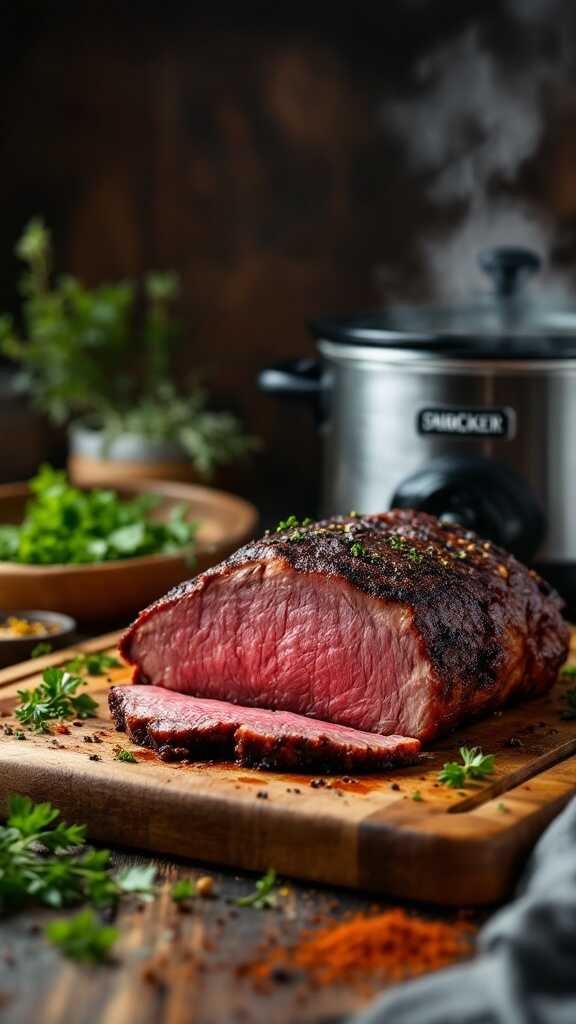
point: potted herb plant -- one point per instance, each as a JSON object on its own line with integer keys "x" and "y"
{"x": 95, "y": 360}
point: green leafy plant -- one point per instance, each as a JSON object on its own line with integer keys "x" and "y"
{"x": 63, "y": 524}
{"x": 83, "y": 937}
{"x": 264, "y": 895}
{"x": 209, "y": 439}
{"x": 475, "y": 765}
{"x": 54, "y": 698}
{"x": 73, "y": 338}
{"x": 77, "y": 349}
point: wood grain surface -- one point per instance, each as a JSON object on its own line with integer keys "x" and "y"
{"x": 400, "y": 832}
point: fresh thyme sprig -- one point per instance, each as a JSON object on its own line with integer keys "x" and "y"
{"x": 54, "y": 698}
{"x": 475, "y": 765}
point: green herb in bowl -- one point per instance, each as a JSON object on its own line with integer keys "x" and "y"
{"x": 65, "y": 525}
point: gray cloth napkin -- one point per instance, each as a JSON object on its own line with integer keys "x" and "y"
{"x": 525, "y": 971}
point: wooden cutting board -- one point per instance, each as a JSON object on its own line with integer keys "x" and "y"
{"x": 371, "y": 832}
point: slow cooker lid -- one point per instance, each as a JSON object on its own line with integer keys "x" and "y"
{"x": 503, "y": 325}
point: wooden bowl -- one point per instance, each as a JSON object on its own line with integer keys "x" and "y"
{"x": 108, "y": 591}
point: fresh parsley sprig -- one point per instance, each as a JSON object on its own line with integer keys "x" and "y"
{"x": 44, "y": 860}
{"x": 54, "y": 698}
{"x": 475, "y": 765}
{"x": 264, "y": 895}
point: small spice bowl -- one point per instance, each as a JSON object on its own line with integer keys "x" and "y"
{"x": 59, "y": 631}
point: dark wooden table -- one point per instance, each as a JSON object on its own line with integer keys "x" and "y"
{"x": 175, "y": 967}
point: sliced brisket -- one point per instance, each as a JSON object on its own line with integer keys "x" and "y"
{"x": 388, "y": 623}
{"x": 178, "y": 726}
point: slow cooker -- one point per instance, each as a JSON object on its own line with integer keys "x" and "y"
{"x": 466, "y": 412}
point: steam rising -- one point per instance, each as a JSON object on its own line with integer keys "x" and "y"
{"x": 474, "y": 119}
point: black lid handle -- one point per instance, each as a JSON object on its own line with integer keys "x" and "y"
{"x": 508, "y": 267}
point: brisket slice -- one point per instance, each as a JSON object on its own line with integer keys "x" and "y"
{"x": 178, "y": 727}
{"x": 391, "y": 623}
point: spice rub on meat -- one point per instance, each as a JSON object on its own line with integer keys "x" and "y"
{"x": 392, "y": 624}
{"x": 179, "y": 727}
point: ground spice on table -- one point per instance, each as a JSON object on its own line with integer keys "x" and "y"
{"x": 392, "y": 945}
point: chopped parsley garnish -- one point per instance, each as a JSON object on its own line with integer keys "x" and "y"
{"x": 183, "y": 889}
{"x": 417, "y": 796}
{"x": 396, "y": 543}
{"x": 414, "y": 555}
{"x": 569, "y": 671}
{"x": 54, "y": 698}
{"x": 475, "y": 765}
{"x": 357, "y": 549}
{"x": 264, "y": 895}
{"x": 570, "y": 698}
{"x": 292, "y": 522}
{"x": 83, "y": 937}
{"x": 127, "y": 756}
{"x": 92, "y": 664}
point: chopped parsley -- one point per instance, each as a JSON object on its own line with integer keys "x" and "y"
{"x": 54, "y": 698}
{"x": 475, "y": 765}
{"x": 569, "y": 671}
{"x": 264, "y": 895}
{"x": 126, "y": 756}
{"x": 357, "y": 549}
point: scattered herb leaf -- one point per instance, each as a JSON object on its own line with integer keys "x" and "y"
{"x": 83, "y": 937}
{"x": 475, "y": 765}
{"x": 357, "y": 549}
{"x": 139, "y": 879}
{"x": 92, "y": 664}
{"x": 54, "y": 698}
{"x": 569, "y": 672}
{"x": 183, "y": 889}
{"x": 264, "y": 895}
{"x": 503, "y": 809}
{"x": 41, "y": 648}
{"x": 125, "y": 755}
{"x": 417, "y": 796}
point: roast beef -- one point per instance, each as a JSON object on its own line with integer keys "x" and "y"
{"x": 392, "y": 624}
{"x": 178, "y": 727}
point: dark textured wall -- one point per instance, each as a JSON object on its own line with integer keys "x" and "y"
{"x": 249, "y": 154}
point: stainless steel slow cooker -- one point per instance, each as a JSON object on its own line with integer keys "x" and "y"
{"x": 469, "y": 413}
